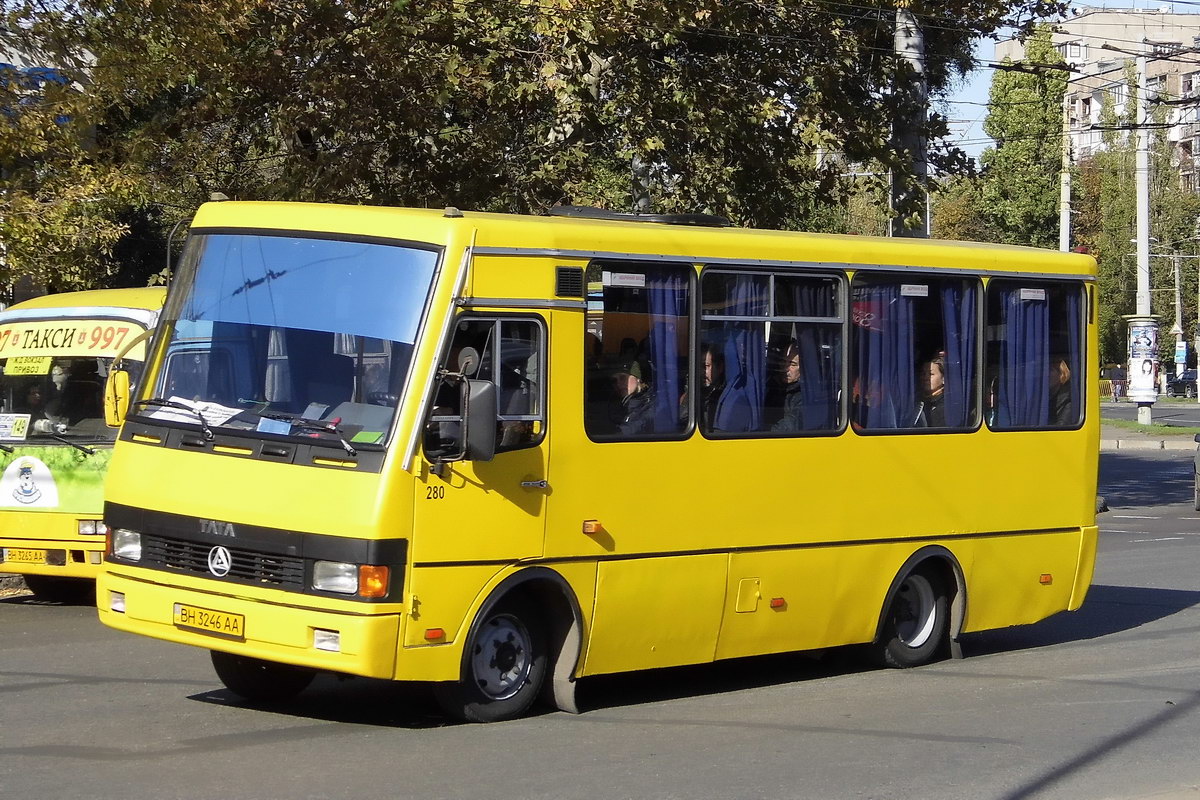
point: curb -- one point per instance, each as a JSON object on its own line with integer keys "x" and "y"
{"x": 1146, "y": 444}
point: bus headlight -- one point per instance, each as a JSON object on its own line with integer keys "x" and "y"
{"x": 127, "y": 544}
{"x": 335, "y": 576}
{"x": 92, "y": 527}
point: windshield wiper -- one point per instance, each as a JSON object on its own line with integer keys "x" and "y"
{"x": 82, "y": 447}
{"x": 158, "y": 401}
{"x": 6, "y": 448}
{"x": 323, "y": 427}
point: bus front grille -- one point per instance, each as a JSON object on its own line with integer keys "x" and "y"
{"x": 246, "y": 566}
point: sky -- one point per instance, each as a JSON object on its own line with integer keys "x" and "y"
{"x": 968, "y": 107}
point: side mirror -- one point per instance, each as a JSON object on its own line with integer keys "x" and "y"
{"x": 116, "y": 397}
{"x": 479, "y": 420}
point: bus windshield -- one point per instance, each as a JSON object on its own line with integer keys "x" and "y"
{"x": 56, "y": 396}
{"x": 264, "y": 332}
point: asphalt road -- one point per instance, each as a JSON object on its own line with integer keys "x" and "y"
{"x": 1101, "y": 703}
{"x": 1181, "y": 412}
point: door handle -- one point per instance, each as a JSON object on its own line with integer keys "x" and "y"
{"x": 542, "y": 484}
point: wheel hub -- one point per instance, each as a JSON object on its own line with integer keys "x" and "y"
{"x": 500, "y": 662}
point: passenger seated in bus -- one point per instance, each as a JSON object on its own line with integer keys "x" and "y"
{"x": 714, "y": 384}
{"x": 793, "y": 411}
{"x": 931, "y": 410}
{"x": 633, "y": 412}
{"x": 34, "y": 403}
{"x": 1061, "y": 410}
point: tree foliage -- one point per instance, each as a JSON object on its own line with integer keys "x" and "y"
{"x": 1020, "y": 182}
{"x": 508, "y": 105}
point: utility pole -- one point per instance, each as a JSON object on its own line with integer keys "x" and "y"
{"x": 1177, "y": 328}
{"x": 1064, "y": 177}
{"x": 908, "y": 124}
{"x": 1143, "y": 326}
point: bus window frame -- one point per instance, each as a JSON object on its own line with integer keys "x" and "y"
{"x": 843, "y": 320}
{"x": 543, "y": 366}
{"x": 920, "y": 274}
{"x": 1084, "y": 287}
{"x": 642, "y": 263}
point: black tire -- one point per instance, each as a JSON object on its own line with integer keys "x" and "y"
{"x": 1190, "y": 393}
{"x": 1170, "y": 390}
{"x": 916, "y": 626}
{"x": 260, "y": 681}
{"x": 75, "y": 591}
{"x": 504, "y": 665}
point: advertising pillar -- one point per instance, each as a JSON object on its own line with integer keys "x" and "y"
{"x": 1143, "y": 363}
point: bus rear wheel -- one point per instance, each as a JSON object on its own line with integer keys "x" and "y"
{"x": 916, "y": 626}
{"x": 504, "y": 666}
{"x": 260, "y": 681}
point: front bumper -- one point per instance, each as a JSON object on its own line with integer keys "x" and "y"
{"x": 54, "y": 537}
{"x": 276, "y": 628}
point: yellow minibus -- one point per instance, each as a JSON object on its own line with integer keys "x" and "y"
{"x": 502, "y": 453}
{"x": 55, "y": 354}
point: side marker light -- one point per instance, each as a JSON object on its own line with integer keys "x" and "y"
{"x": 778, "y": 602}
{"x": 1046, "y": 579}
{"x": 592, "y": 527}
{"x": 434, "y": 634}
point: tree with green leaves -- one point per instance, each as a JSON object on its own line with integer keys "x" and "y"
{"x": 1020, "y": 180}
{"x": 506, "y": 105}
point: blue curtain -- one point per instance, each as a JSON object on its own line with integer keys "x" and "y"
{"x": 958, "y": 320}
{"x": 1024, "y": 390}
{"x": 1074, "y": 353}
{"x": 740, "y": 407}
{"x": 819, "y": 373}
{"x": 885, "y": 372}
{"x": 667, "y": 300}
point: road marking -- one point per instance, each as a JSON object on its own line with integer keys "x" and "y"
{"x": 1164, "y": 539}
{"x": 1132, "y": 516}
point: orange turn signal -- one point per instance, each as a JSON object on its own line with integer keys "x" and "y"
{"x": 372, "y": 581}
{"x": 592, "y": 526}
{"x": 433, "y": 634}
{"x": 778, "y": 602}
{"x": 1046, "y": 579}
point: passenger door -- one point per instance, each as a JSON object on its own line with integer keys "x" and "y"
{"x": 487, "y": 511}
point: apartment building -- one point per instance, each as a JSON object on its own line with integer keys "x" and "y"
{"x": 1100, "y": 45}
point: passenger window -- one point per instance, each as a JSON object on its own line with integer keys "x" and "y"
{"x": 636, "y": 350}
{"x": 914, "y": 353}
{"x": 510, "y": 353}
{"x": 1034, "y": 374}
{"x": 770, "y": 354}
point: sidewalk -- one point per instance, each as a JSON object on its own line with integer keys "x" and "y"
{"x": 1114, "y": 438}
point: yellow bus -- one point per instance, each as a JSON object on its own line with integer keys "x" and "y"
{"x": 55, "y": 354}
{"x": 502, "y": 453}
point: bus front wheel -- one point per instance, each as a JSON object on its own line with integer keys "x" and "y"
{"x": 504, "y": 666}
{"x": 260, "y": 681}
{"x": 917, "y": 624}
